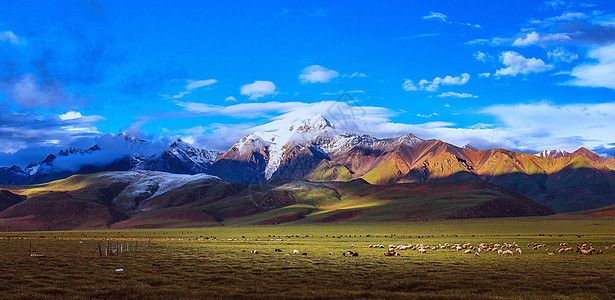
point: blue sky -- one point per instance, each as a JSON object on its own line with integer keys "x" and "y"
{"x": 525, "y": 75}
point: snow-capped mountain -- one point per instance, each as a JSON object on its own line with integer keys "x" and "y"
{"x": 121, "y": 153}
{"x": 553, "y": 153}
{"x": 315, "y": 149}
{"x": 180, "y": 158}
{"x": 294, "y": 148}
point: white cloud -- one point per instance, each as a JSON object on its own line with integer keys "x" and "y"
{"x": 544, "y": 125}
{"x": 71, "y": 115}
{"x": 456, "y": 95}
{"x": 534, "y": 38}
{"x": 33, "y": 132}
{"x": 433, "y": 85}
{"x": 521, "y": 126}
{"x": 598, "y": 74}
{"x": 529, "y": 39}
{"x": 192, "y": 85}
{"x": 258, "y": 89}
{"x": 607, "y": 21}
{"x": 516, "y": 64}
{"x": 10, "y": 37}
{"x": 317, "y": 74}
{"x": 555, "y": 4}
{"x": 561, "y": 54}
{"x": 195, "y": 84}
{"x": 230, "y": 98}
{"x": 568, "y": 16}
{"x": 428, "y": 115}
{"x": 434, "y": 15}
{"x": 408, "y": 85}
{"x": 484, "y": 75}
{"x": 496, "y": 41}
{"x": 357, "y": 75}
{"x": 480, "y": 56}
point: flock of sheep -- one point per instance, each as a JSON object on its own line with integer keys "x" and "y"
{"x": 503, "y": 249}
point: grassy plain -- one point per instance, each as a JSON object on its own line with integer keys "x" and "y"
{"x": 217, "y": 263}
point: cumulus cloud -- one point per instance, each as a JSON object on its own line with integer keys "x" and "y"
{"x": 561, "y": 54}
{"x": 598, "y": 74}
{"x": 480, "y": 56}
{"x": 230, "y": 98}
{"x": 529, "y": 39}
{"x": 408, "y": 85}
{"x": 516, "y": 64}
{"x": 193, "y": 85}
{"x": 258, "y": 89}
{"x": 568, "y": 16}
{"x": 71, "y": 115}
{"x": 534, "y": 38}
{"x": 456, "y": 95}
{"x": 433, "y": 85}
{"x": 317, "y": 74}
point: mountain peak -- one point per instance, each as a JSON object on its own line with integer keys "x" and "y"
{"x": 469, "y": 146}
{"x": 553, "y": 153}
{"x": 586, "y": 153}
{"x": 179, "y": 143}
{"x": 312, "y": 124}
{"x": 131, "y": 138}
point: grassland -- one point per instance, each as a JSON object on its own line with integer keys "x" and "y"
{"x": 217, "y": 263}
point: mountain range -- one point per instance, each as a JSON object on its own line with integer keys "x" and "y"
{"x": 313, "y": 151}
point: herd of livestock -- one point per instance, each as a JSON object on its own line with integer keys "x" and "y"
{"x": 503, "y": 249}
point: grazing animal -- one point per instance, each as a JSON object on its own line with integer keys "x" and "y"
{"x": 295, "y": 251}
{"x": 304, "y": 253}
{"x": 278, "y": 250}
{"x": 468, "y": 251}
{"x": 254, "y": 251}
{"x": 391, "y": 253}
{"x": 507, "y": 253}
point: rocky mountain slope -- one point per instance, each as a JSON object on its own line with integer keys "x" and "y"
{"x": 128, "y": 153}
{"x": 314, "y": 149}
{"x": 148, "y": 199}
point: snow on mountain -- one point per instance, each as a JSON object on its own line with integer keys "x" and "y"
{"x": 188, "y": 153}
{"x": 284, "y": 133}
{"x": 114, "y": 153}
{"x": 150, "y": 183}
{"x": 285, "y": 137}
{"x": 553, "y": 153}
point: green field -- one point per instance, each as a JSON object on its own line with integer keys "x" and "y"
{"x": 217, "y": 262}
